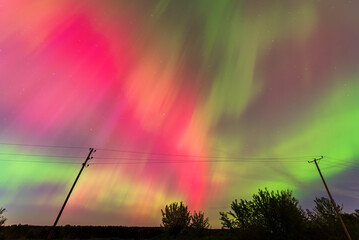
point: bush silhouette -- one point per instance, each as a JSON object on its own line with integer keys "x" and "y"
{"x": 175, "y": 218}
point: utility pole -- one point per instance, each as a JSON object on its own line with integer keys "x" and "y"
{"x": 92, "y": 150}
{"x": 330, "y": 196}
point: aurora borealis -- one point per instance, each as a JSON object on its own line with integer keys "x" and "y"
{"x": 246, "y": 91}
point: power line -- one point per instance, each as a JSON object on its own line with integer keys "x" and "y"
{"x": 211, "y": 157}
{"x": 345, "y": 163}
{"x": 223, "y": 160}
{"x": 342, "y": 160}
{"x": 349, "y": 165}
{"x": 155, "y": 161}
{"x": 37, "y": 155}
{"x": 147, "y": 153}
{"x": 195, "y": 156}
{"x": 30, "y": 161}
{"x": 214, "y": 159}
{"x": 179, "y": 162}
{"x": 154, "y": 153}
{"x": 41, "y": 145}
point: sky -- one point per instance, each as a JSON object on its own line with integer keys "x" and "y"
{"x": 199, "y": 101}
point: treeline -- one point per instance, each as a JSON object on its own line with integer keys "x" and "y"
{"x": 272, "y": 215}
{"x": 79, "y": 232}
{"x": 277, "y": 215}
{"x": 269, "y": 215}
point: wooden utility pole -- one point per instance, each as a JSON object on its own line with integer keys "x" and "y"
{"x": 330, "y": 196}
{"x": 72, "y": 188}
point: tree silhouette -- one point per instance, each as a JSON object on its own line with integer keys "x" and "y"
{"x": 275, "y": 215}
{"x": 2, "y": 218}
{"x": 199, "y": 221}
{"x": 175, "y": 218}
{"x": 323, "y": 212}
{"x": 324, "y": 219}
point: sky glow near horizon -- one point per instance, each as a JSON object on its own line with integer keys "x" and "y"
{"x": 222, "y": 78}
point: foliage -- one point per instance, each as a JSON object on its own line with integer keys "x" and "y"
{"x": 175, "y": 218}
{"x": 241, "y": 216}
{"x": 2, "y": 221}
{"x": 324, "y": 221}
{"x": 199, "y": 222}
{"x": 324, "y": 212}
{"x": 271, "y": 214}
{"x": 356, "y": 213}
{"x": 2, "y": 218}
